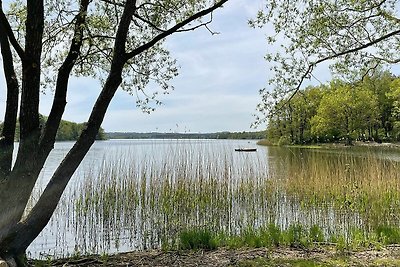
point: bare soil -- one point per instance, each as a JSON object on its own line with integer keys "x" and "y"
{"x": 389, "y": 256}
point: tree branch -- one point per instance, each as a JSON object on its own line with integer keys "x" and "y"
{"x": 149, "y": 22}
{"x": 378, "y": 5}
{"x": 59, "y": 102}
{"x": 10, "y": 117}
{"x": 204, "y": 24}
{"x": 8, "y": 30}
{"x": 349, "y": 51}
{"x": 174, "y": 29}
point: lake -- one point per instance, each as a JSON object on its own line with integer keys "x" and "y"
{"x": 139, "y": 194}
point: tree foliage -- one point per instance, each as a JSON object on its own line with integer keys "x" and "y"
{"x": 353, "y": 37}
{"x": 339, "y": 110}
{"x": 343, "y": 111}
{"x": 67, "y": 131}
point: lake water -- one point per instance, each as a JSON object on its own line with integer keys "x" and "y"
{"x": 138, "y": 194}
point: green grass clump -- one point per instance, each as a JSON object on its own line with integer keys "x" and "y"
{"x": 388, "y": 235}
{"x": 316, "y": 234}
{"x": 296, "y": 236}
{"x": 269, "y": 236}
{"x": 197, "y": 239}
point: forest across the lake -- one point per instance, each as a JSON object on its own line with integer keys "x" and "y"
{"x": 366, "y": 110}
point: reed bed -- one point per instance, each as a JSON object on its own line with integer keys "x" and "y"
{"x": 171, "y": 198}
{"x": 152, "y": 200}
{"x": 366, "y": 185}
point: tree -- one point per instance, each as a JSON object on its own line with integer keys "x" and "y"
{"x": 394, "y": 96}
{"x": 291, "y": 121}
{"x": 119, "y": 42}
{"x": 380, "y": 84}
{"x": 345, "y": 111}
{"x": 348, "y": 35}
{"x": 67, "y": 130}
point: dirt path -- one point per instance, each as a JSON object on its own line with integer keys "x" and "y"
{"x": 244, "y": 257}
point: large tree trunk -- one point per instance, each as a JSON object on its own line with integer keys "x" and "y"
{"x": 18, "y": 185}
{"x": 18, "y": 234}
{"x": 10, "y": 118}
{"x": 27, "y": 230}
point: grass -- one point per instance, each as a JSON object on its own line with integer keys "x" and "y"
{"x": 325, "y": 261}
{"x": 296, "y": 236}
{"x": 196, "y": 239}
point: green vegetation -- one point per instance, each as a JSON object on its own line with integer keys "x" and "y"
{"x": 188, "y": 199}
{"x": 155, "y": 135}
{"x": 196, "y": 239}
{"x": 119, "y": 45}
{"x": 356, "y": 46}
{"x": 67, "y": 131}
{"x": 295, "y": 236}
{"x": 366, "y": 110}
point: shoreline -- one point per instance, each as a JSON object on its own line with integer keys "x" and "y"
{"x": 264, "y": 142}
{"x": 324, "y": 255}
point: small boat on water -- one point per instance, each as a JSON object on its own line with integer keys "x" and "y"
{"x": 245, "y": 149}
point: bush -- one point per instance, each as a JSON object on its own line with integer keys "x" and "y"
{"x": 275, "y": 234}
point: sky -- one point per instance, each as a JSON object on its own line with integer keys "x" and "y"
{"x": 216, "y": 90}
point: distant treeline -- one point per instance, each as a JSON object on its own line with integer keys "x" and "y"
{"x": 363, "y": 110}
{"x": 68, "y": 131}
{"x": 155, "y": 135}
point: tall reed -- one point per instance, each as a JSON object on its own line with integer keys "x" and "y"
{"x": 150, "y": 200}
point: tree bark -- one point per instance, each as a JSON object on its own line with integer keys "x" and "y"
{"x": 60, "y": 97}
{"x": 18, "y": 184}
{"x": 24, "y": 232}
{"x": 10, "y": 117}
{"x": 31, "y": 66}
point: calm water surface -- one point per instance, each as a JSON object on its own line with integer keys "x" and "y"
{"x": 135, "y": 194}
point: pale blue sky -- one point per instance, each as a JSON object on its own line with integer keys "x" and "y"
{"x": 217, "y": 89}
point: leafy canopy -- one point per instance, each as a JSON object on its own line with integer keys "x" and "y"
{"x": 146, "y": 75}
{"x": 352, "y": 36}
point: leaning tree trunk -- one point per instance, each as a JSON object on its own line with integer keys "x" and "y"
{"x": 17, "y": 185}
{"x": 16, "y": 237}
{"x": 10, "y": 118}
{"x": 17, "y": 233}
